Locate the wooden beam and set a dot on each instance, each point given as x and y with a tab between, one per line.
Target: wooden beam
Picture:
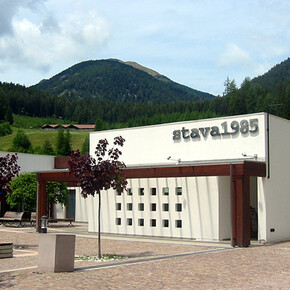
241	211
60	176
245	168
61	162
41	202
253	168
249	168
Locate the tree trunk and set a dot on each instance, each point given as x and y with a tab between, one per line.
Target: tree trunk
99	228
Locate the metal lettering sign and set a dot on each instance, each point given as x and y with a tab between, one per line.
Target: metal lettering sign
244	127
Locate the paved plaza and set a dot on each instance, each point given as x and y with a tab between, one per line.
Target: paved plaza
146	263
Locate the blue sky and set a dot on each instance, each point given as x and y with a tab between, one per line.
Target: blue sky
197	43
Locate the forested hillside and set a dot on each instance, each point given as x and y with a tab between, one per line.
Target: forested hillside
113	80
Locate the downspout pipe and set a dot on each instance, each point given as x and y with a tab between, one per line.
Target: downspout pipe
268	145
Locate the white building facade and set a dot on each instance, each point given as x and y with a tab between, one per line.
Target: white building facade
198	207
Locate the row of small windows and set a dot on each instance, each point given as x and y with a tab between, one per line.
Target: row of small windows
153	206
165	223
153	191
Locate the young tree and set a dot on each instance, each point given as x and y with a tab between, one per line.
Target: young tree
8	169
99	174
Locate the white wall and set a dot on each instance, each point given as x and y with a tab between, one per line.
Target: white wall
32	162
154	144
274	193
81	206
200	215
225	218
59	211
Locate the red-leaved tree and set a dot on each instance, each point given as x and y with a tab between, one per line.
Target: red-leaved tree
8	169
98	174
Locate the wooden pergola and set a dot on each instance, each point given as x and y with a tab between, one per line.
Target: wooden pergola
240	173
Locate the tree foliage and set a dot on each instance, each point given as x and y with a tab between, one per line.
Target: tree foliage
230	86
5	129
95	175
102	173
8	170
86	146
24	189
63	143
47	148
21	143
9	116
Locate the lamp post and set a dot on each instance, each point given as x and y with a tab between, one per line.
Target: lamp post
43	224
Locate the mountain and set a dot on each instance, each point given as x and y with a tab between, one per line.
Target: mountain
276	76
114	80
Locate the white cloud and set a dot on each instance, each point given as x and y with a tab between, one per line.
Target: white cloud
234	56
40	44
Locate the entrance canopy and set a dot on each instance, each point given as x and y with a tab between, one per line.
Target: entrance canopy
239	171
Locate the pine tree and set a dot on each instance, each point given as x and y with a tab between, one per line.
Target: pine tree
67	143
60	141
47	148
21	143
86	146
9	116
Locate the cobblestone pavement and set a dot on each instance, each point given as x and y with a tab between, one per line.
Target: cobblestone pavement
147	264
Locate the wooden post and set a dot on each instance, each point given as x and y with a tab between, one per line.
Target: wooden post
41	202
241	211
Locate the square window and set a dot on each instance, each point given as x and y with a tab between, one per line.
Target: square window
178	207
118	206
153	191
141	191
165	223
118	221
165	190
153	206
153	222
130	191
129	222
141	206
165	206
178	223
178	190
129	206
141	222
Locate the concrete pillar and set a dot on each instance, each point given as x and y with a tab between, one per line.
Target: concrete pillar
56	253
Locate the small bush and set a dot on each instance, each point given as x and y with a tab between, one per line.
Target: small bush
5	129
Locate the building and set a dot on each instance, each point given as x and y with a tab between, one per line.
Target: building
208	180
201	207
73	127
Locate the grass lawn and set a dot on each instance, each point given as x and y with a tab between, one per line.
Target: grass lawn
38	136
